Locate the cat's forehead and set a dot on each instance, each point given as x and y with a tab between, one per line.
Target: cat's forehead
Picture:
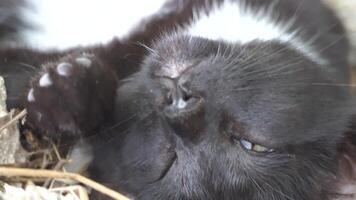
172	68
175	55
225	69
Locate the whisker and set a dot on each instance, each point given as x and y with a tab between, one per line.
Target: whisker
333	84
109	138
152	51
118	124
276	190
28	66
260	190
332	43
277	70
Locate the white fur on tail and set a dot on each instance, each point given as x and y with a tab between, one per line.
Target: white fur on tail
233	21
67	23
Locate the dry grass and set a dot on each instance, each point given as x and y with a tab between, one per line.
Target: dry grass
45	173
51	174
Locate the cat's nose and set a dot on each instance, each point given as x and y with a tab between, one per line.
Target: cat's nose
184	110
181	102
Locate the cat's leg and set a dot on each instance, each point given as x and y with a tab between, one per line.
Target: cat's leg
69	104
71	97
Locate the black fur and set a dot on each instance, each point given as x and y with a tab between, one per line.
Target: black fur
147	146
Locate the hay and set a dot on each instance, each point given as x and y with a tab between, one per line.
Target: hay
10	172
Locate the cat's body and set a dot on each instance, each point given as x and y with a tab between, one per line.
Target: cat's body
235	100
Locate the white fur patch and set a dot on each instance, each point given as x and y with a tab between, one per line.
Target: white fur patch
45	80
233	21
67	23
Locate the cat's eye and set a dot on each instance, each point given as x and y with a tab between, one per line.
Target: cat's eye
254	147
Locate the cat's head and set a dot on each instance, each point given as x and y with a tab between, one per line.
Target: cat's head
210	120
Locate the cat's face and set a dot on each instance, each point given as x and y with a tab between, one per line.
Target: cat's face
208	120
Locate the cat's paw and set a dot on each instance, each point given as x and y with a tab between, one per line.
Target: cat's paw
64	100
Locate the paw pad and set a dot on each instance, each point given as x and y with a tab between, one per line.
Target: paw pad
61	97
63	69
45	80
83	61
31	96
55	73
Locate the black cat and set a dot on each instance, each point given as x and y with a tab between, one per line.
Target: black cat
222	100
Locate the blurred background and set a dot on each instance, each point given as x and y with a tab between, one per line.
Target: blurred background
346	10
